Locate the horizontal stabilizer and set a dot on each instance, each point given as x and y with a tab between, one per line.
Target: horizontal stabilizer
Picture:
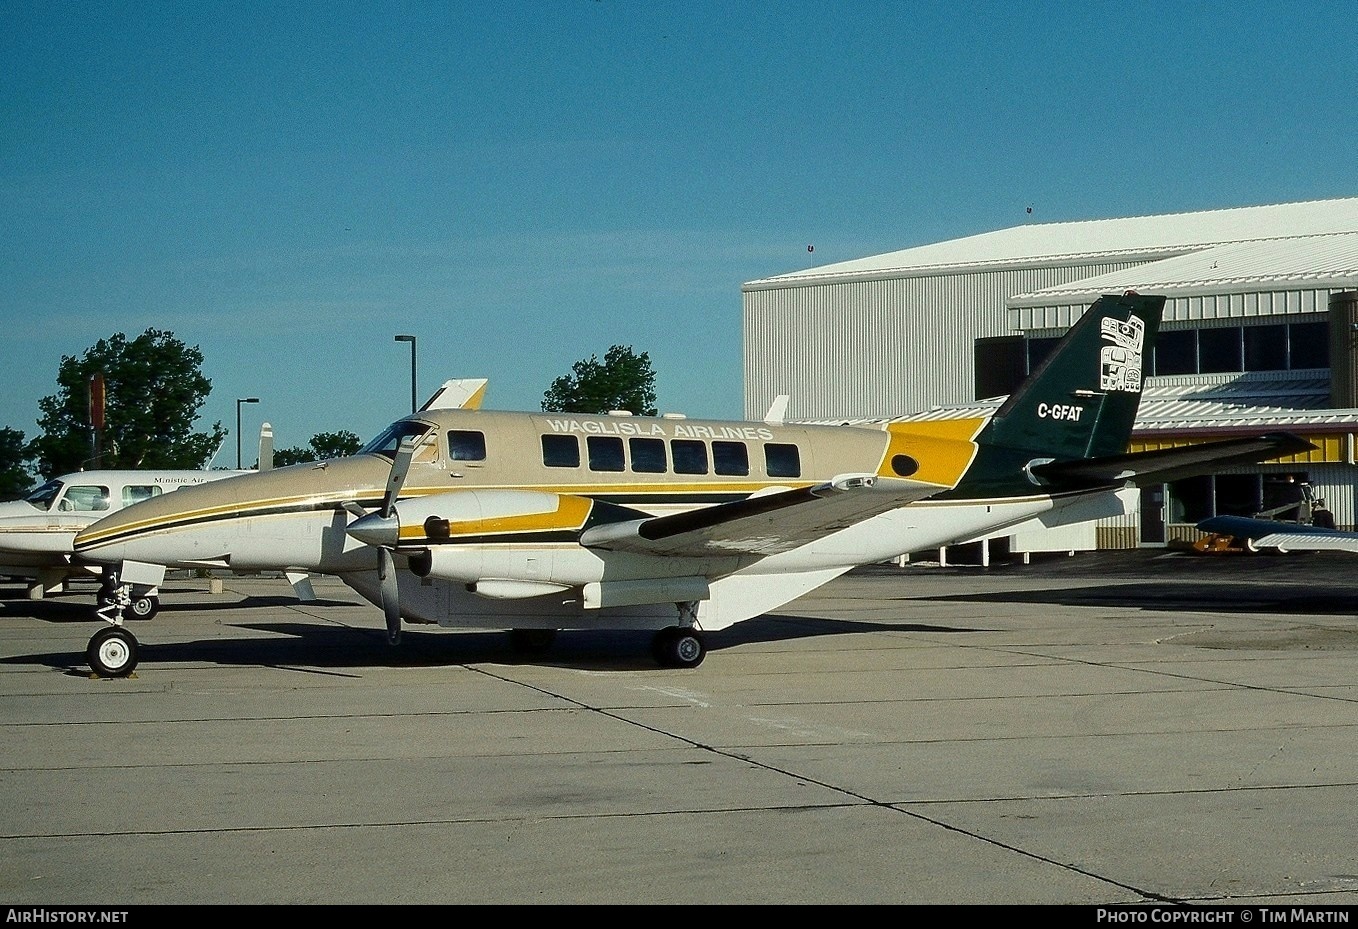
761	525
1269	533
1169	464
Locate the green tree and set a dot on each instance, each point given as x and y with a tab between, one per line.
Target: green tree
623	381
323	445
154	389
15	481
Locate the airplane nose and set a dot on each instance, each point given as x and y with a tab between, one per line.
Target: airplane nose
376	529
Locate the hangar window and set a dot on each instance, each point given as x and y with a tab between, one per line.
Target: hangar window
561	451
466	445
690	456
648	455
605	453
1266	347
998	365
782	460
730	458
1219	350
1228	349
1039	349
1176	352
1308	345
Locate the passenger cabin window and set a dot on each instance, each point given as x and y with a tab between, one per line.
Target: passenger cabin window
605	453
85	498
466	445
782	460
136	493
690	456
730	458
648	455
561	451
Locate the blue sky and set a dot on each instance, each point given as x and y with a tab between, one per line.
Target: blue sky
521	185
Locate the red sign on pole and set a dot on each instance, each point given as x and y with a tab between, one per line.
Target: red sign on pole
97	402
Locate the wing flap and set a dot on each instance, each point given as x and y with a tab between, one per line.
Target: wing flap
761	525
1169	464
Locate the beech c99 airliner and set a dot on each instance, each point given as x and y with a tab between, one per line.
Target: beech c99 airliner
539	522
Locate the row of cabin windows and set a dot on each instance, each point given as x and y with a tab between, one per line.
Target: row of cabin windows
646	456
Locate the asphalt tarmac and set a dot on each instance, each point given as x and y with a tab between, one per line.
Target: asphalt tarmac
1102	729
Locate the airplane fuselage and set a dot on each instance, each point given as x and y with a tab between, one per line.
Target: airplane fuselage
495	504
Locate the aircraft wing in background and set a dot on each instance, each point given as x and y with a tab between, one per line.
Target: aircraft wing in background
1285	537
1169	464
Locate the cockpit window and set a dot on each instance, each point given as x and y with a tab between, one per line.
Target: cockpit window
42	497
390	439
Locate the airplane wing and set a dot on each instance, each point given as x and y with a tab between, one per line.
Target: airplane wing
1269	533
764	524
1169	464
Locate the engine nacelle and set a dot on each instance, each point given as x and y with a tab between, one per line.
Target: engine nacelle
489	515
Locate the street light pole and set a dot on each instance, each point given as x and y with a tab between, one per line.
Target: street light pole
411	340
238	403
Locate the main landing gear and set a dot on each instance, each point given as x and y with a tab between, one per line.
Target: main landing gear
680	646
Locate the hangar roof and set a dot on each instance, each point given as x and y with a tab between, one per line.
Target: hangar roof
1293	401
1146	238
1314	262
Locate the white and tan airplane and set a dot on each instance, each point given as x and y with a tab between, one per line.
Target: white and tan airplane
539	522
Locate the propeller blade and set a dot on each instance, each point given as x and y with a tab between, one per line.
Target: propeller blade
391	604
400	466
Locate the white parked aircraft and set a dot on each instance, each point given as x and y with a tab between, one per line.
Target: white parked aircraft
37	532
538	522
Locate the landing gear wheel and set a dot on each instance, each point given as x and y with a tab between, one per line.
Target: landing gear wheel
144	607
112	652
531	641
677	647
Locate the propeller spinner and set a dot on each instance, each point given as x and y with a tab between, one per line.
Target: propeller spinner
382	530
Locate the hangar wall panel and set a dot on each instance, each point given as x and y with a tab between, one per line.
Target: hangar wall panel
877	348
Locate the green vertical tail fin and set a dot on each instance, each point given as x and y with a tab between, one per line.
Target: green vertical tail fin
1081	402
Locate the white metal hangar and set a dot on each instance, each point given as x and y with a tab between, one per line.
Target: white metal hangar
1260	333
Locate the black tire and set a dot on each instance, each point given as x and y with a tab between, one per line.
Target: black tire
112	652
144	607
531	641
677	647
